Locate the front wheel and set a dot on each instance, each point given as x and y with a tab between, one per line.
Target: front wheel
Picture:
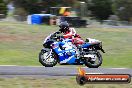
94	60
47	58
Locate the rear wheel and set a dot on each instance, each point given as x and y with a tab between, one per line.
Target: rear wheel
95	59
47	58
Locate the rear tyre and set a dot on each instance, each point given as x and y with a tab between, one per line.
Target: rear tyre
94	64
49	61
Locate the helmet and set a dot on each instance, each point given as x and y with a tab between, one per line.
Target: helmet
64	26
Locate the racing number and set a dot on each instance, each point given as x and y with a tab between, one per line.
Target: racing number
60	54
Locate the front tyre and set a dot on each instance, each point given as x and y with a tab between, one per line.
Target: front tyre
47	58
95	60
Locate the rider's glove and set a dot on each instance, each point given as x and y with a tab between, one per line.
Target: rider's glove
58	32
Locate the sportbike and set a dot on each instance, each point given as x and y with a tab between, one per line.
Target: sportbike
56	49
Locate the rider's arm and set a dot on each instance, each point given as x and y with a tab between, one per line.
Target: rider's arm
73	31
68	35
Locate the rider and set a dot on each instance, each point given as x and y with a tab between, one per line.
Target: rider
70	33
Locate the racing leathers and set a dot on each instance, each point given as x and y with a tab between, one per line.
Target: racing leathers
71	34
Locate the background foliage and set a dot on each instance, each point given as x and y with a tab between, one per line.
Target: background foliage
123	8
3	8
99	9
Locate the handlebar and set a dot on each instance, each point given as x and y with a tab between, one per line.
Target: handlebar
55	37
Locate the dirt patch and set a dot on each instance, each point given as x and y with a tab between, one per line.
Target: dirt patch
7	38
12	38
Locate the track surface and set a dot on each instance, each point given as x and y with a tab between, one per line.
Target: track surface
13	71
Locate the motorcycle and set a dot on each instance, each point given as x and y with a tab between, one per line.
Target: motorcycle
63	51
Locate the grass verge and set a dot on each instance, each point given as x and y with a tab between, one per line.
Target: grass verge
20	43
28	82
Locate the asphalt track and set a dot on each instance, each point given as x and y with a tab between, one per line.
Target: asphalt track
57	71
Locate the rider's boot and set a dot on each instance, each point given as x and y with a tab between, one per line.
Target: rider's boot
80	49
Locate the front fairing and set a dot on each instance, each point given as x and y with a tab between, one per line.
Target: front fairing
48	41
65	54
47	38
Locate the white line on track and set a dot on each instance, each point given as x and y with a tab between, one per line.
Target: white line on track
94	73
89	73
117	68
63	67
8	65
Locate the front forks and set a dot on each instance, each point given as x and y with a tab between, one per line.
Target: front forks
44	50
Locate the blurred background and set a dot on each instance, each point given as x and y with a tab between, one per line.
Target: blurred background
83	12
25	23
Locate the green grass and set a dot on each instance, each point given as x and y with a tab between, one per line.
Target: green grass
28	82
20	43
